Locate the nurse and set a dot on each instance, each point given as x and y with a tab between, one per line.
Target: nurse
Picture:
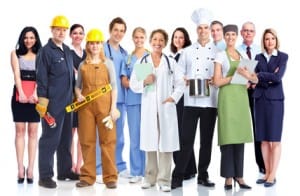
133	106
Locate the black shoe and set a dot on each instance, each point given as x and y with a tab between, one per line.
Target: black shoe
175	183
269	184
29	180
70	176
47	183
228	187
260	181
242	186
206	182
189	176
21	180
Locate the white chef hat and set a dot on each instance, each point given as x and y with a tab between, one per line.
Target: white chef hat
202	16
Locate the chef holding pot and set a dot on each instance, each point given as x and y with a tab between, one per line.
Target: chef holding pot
200	100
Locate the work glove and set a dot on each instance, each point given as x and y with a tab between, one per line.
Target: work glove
108	122
115	114
41	106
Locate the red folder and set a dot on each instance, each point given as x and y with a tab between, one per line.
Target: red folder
28	88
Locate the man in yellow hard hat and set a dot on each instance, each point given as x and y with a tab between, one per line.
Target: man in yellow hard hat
55	80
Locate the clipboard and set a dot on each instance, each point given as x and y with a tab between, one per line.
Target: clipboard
142	70
28	88
239	79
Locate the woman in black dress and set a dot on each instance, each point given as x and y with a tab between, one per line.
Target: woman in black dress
77	35
24	98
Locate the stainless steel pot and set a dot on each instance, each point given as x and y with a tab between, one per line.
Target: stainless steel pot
199	87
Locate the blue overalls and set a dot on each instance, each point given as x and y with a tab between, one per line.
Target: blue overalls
55	81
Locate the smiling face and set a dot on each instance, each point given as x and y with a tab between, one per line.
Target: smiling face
77	36
203	32
139	38
216	32
270	42
230	38
178	40
117	33
94	47
29	39
157	42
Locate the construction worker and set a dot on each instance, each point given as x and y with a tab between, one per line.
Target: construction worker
98	116
54	89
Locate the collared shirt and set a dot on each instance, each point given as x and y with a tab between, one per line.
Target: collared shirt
254	49
197	62
274	53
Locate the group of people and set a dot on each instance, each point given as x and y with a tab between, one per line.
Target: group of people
155	92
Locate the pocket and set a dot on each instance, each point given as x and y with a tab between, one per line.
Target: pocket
59	66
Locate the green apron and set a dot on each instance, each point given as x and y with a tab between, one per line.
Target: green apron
234	118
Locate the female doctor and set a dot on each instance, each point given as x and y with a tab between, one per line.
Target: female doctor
160	90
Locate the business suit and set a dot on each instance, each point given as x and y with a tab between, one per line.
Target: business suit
269	96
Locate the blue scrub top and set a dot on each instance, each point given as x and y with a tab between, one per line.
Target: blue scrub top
119	58
131	97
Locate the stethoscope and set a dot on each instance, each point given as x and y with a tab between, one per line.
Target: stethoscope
167	59
128	62
109	50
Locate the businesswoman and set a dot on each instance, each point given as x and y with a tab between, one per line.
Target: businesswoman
269	102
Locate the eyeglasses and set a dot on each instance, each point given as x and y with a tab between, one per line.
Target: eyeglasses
248	30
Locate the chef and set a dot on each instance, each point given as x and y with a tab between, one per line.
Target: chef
197	62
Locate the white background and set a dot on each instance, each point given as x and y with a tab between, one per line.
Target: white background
151	14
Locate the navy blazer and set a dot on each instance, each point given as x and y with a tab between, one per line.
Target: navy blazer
269	80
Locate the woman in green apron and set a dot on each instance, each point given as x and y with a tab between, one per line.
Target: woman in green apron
234	120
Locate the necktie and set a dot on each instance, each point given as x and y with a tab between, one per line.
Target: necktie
248	52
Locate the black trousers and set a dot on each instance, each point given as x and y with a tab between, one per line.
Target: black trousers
232	160
191	168
257	145
191	115
56	140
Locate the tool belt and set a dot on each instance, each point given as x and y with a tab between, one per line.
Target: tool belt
89	98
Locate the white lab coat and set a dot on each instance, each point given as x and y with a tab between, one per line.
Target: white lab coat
159	127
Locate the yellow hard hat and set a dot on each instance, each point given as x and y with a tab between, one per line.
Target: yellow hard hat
95	35
60	21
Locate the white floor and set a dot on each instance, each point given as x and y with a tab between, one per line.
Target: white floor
287	178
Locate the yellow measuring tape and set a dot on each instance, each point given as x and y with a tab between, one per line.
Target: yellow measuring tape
90	97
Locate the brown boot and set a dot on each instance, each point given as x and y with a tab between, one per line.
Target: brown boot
82	184
111	185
